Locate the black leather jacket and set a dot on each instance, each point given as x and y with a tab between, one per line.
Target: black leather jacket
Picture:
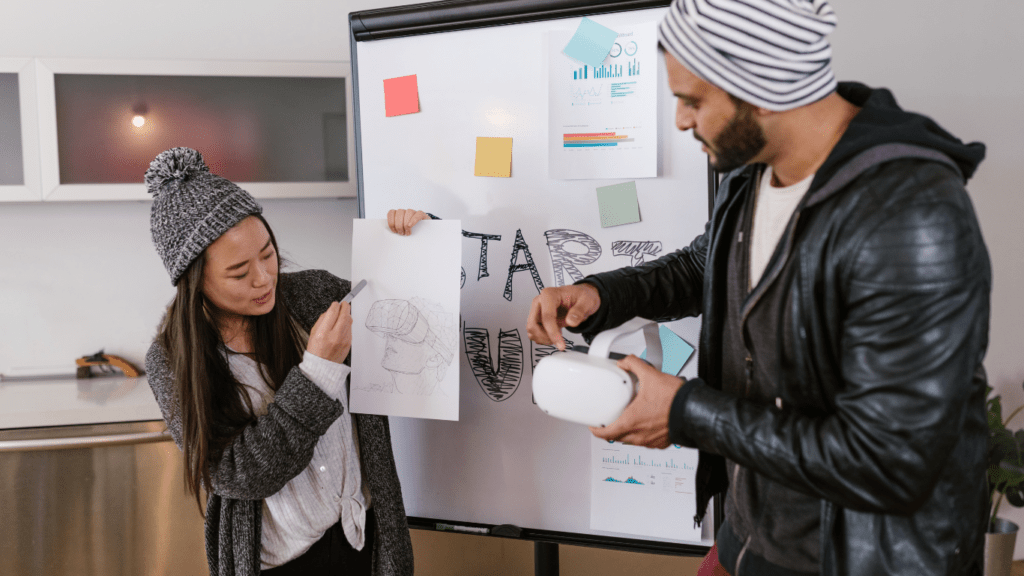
890	280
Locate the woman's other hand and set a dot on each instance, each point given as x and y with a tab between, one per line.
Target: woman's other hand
402	220
331	336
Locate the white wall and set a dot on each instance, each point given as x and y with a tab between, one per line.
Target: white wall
78	277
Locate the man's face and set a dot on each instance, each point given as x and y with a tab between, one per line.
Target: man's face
730	133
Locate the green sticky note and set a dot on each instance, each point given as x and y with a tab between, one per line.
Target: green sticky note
618	204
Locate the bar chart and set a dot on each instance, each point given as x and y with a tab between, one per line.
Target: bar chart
607	71
594	139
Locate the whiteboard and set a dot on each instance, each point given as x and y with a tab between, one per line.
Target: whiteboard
504	461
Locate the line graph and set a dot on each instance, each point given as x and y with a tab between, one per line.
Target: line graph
580	93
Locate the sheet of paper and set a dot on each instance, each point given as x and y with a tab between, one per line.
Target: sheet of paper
493	157
591	43
643	491
602	120
674	351
405	329
618	204
401	96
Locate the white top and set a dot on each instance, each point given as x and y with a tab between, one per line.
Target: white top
329	489
774	208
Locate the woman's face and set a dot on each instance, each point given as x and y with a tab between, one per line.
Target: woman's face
240	272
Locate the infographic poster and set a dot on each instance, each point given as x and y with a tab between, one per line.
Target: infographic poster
603	120
643	491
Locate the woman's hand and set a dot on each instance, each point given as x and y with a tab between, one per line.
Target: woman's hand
331	336
401	221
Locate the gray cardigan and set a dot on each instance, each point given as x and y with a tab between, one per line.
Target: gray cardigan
261	460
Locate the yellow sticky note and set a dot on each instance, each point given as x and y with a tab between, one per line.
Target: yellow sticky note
493	157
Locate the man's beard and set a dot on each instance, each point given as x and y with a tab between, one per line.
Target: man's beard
739	141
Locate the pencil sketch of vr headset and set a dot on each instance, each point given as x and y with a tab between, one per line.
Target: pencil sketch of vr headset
403	320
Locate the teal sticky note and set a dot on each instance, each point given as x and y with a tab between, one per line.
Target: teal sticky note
674	351
591	43
618	204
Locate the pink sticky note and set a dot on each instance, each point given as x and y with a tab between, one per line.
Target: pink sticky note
401	96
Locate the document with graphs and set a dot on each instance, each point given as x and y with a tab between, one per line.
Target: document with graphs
643	491
602	121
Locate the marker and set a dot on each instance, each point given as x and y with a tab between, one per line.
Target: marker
352	293
467	529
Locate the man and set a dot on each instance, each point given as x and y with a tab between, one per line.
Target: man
844	287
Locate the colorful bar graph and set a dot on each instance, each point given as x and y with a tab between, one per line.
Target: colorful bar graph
594	139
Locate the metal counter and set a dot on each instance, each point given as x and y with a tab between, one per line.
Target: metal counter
98	499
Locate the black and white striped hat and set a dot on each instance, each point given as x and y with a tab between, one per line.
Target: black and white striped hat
770	53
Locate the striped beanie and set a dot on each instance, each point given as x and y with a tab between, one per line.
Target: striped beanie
770	53
191	207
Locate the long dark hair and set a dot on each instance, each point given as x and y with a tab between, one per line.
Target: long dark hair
213	405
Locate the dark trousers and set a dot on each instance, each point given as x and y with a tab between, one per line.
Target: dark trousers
333	555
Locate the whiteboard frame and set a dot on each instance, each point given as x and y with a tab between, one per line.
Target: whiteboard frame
452	15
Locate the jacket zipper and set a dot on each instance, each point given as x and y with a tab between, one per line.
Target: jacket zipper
739	558
748	371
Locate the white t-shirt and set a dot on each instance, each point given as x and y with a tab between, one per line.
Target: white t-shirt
329	489
774	208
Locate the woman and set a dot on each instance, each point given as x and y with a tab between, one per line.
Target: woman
247	368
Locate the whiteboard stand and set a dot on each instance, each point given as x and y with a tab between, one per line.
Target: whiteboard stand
545	559
478	66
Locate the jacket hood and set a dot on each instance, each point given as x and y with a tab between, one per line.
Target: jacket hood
882	121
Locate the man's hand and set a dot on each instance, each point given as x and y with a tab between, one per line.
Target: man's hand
401	221
645	421
556	308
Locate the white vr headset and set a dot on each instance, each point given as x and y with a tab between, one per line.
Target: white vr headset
588	388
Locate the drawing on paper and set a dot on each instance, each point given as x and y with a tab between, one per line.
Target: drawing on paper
420	345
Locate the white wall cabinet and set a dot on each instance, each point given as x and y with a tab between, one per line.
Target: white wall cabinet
19	132
91	127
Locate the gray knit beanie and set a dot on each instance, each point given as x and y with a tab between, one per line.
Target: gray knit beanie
191	207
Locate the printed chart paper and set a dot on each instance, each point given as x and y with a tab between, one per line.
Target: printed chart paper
602	120
643	491
405	322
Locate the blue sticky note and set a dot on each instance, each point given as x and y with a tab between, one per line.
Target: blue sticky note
674	351
591	43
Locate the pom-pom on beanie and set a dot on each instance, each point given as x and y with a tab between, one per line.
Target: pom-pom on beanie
191	207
